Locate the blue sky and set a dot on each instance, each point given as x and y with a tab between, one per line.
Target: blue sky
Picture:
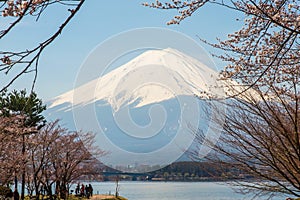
96	22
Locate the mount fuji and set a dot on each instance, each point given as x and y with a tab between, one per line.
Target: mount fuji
140	106
190	74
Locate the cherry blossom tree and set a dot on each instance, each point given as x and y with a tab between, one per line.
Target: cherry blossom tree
261	77
39	150
28	108
59	157
260	138
9	155
15	63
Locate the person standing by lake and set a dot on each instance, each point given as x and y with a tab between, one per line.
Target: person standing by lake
82	190
87	192
90	190
77	190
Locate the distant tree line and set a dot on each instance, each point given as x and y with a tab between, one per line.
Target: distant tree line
197	171
184	171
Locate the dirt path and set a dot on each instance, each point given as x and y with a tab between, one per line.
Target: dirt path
101	196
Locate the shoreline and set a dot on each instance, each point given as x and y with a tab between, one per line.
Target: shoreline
106	197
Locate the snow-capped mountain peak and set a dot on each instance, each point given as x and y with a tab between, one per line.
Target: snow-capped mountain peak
153	76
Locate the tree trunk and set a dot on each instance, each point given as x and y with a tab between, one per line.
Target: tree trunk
23	169
16	181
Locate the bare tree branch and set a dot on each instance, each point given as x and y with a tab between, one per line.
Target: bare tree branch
27	59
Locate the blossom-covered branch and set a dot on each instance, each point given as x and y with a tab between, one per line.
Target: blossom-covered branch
265	50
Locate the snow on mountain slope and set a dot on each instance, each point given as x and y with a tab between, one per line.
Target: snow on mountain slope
153	76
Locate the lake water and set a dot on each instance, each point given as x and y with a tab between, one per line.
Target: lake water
172	191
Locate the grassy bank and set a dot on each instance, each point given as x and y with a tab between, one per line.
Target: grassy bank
98	197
